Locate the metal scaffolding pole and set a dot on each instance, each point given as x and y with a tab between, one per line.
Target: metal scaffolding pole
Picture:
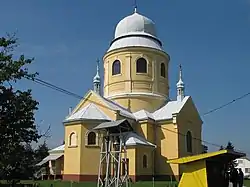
112	155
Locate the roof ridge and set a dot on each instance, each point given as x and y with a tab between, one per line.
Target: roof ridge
103	98
115	103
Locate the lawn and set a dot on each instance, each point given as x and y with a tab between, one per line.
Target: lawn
93	184
247	183
58	183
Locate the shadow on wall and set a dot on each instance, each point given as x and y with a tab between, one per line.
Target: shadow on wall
163	171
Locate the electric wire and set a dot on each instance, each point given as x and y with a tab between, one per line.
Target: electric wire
226	104
54	87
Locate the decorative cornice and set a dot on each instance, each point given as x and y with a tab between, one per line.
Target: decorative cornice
136	94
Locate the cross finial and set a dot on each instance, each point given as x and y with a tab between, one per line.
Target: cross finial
98	62
97	79
180	71
180	86
135	8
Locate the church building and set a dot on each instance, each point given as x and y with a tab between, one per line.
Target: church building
136	88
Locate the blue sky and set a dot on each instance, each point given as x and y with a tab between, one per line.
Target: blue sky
209	38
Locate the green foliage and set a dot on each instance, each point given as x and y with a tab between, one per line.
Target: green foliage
41	152
17	122
230	146
204	149
221	148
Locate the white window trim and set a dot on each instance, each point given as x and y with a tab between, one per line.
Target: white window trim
69	139
96	139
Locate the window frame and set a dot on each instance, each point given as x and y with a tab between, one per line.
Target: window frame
87	139
136	62
112	68
144	161
164	65
70	139
247	170
240	161
189	141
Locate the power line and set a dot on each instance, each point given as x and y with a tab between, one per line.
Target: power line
226	104
47	84
52	86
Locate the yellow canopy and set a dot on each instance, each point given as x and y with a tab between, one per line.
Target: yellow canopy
218	154
200	173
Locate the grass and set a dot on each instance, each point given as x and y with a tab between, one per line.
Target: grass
247	183
59	183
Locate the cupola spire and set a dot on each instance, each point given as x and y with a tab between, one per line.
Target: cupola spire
97	80
135	7
180	86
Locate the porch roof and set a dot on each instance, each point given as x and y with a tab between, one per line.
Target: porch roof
50	157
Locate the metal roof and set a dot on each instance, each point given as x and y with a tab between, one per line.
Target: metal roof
120	125
57	149
133	139
50	157
91	111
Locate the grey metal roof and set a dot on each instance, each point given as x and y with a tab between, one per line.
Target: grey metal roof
122	124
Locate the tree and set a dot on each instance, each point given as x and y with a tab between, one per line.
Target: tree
230	146
231	165
221	148
28	162
17	122
41	152
204	149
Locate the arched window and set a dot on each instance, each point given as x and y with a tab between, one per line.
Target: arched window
163	70
189	142
91	138
144	161
72	139
116	67
141	65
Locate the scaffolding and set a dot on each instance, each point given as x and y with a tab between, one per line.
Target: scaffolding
113	154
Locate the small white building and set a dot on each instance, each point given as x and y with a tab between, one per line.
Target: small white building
244	164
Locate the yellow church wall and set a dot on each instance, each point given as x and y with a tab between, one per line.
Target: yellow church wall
167	148
72	155
80	155
90	154
131	155
149	169
131	82
147	130
135	166
189	120
139	102
82	160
